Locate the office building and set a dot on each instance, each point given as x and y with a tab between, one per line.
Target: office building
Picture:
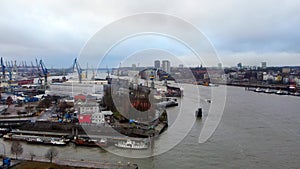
157	64
166	66
263	65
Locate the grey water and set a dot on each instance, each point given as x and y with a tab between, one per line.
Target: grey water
257	130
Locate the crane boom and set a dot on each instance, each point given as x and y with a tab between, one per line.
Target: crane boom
45	71
3	68
79	70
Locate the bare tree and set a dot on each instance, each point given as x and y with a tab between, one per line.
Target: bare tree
16	148
51	153
9	101
32	155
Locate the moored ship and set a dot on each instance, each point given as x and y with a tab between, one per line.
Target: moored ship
129	144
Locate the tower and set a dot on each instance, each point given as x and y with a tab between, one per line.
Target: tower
166	66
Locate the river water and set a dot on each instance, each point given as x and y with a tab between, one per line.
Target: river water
257	130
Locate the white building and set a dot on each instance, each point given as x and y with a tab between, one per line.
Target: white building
99	117
89	107
166	66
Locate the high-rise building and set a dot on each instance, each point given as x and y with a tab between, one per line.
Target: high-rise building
263	65
239	65
166	66
156	64
180	66
133	66
220	65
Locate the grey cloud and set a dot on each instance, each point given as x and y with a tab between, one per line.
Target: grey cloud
56	29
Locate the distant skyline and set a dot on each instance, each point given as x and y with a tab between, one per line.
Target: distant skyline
249	32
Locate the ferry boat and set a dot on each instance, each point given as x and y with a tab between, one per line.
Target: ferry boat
129	144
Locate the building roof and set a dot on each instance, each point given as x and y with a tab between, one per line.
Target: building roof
80	97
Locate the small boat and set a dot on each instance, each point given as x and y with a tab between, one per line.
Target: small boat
208	100
282	92
102	142
259	90
129	144
213	85
269	91
4	130
198	113
168	103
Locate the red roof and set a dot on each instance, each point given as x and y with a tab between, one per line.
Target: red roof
84	118
80	97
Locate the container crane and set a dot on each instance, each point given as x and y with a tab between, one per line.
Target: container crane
8	68
4	73
79	70
2	68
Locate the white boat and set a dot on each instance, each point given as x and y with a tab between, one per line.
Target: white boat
280	92
57	141
132	144
258	90
269	91
296	94
213	85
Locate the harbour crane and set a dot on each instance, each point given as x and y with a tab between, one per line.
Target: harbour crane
11	63
2	68
79	70
4	73
45	71
32	69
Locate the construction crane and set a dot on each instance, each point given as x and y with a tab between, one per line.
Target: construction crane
45	71
79	70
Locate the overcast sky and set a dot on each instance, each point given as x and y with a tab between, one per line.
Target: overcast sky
240	31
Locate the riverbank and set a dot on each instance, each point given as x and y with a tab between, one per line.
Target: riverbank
70	165
260	85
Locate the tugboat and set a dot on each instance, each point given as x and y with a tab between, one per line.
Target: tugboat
199	113
85	141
